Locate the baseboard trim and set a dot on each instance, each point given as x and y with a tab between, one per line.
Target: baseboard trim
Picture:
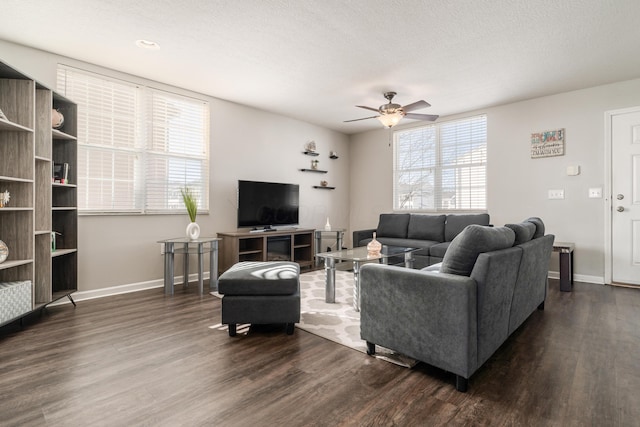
124	289
579	278
158	283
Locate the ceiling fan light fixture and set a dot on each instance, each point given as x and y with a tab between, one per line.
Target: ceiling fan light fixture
391	119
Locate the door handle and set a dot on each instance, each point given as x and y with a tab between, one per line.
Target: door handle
620	196
620	209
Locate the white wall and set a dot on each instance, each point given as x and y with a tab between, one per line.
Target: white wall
246	143
517	184
251	144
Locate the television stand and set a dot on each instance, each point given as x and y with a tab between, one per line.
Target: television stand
275	245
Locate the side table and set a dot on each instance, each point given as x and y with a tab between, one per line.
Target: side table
337	232
186	247
566	264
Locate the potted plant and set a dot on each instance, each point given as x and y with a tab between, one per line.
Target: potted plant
191	203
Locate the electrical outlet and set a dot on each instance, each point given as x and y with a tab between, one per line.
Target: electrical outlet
595	193
556	194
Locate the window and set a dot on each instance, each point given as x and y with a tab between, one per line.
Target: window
441	167
137	146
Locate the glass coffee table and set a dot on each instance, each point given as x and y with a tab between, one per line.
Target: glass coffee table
358	256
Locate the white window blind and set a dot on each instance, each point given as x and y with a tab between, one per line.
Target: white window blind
137	146
441	167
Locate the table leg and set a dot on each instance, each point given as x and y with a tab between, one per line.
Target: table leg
356	285
330	273
340	237
200	268
566	271
317	241
168	268
408	259
213	266
185	274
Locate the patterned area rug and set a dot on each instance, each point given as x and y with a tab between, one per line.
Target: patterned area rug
337	322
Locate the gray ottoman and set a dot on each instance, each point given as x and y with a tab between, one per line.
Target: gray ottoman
261	293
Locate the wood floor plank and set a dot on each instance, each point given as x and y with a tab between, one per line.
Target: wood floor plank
148	359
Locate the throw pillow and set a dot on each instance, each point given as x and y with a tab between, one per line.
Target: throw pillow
539	226
426	227
471	242
393	225
524	231
456	223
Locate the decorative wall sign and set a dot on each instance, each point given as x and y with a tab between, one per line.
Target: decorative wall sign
548	143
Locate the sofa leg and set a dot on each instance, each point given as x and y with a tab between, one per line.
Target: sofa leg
541	306
371	348
290	327
232	329
461	384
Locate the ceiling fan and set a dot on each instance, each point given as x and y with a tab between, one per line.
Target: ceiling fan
390	114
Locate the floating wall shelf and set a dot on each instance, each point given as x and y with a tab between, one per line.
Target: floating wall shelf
313	170
324	188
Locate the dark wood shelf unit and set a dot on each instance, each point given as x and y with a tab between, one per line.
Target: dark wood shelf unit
238	246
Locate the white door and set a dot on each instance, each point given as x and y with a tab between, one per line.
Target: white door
625	191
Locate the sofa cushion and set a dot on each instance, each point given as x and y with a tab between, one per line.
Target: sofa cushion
426	227
539	226
439	250
471	242
524	231
393	225
456	223
423	245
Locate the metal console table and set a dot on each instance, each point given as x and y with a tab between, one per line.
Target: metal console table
187	246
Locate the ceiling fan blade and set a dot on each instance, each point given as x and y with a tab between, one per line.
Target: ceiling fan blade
416	106
364	118
426	117
368	108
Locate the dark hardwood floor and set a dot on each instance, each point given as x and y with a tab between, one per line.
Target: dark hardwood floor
146	359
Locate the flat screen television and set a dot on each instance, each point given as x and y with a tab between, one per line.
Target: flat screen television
267	204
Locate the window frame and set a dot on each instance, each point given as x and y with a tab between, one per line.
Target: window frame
437	166
144	151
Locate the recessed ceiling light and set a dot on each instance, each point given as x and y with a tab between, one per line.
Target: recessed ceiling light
146	44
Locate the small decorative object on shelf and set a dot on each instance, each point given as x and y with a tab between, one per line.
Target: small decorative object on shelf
4	251
53	240
57	119
314	164
374	247
323	183
333	154
4	198
310	147
190	202
327	226
61	173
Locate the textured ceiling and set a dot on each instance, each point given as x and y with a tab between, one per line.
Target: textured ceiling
315	60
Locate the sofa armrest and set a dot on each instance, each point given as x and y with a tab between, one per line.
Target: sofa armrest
360	235
429	316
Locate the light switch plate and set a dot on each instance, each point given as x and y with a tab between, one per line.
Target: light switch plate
595	193
556	194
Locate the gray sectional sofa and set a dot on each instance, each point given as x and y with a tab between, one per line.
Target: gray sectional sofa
456	315
431	233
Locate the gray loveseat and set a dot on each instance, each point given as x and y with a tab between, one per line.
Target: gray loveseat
489	283
431	233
